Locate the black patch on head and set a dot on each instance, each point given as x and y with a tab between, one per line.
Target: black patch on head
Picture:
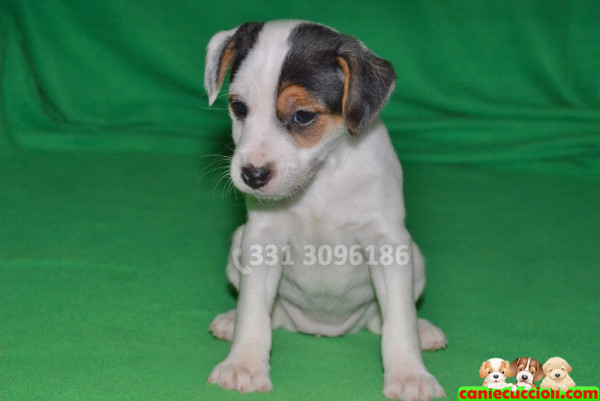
243	40
313	63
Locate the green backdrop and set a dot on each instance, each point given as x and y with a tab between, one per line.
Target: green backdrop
114	222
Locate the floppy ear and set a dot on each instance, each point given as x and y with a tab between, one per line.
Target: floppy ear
368	83
227	48
512	369
219	54
482	372
545	367
539	373
569	368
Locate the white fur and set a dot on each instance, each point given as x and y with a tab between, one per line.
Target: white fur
344	191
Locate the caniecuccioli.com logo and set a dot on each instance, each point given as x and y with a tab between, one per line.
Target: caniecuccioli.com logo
554	377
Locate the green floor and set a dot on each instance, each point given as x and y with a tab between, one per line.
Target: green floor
113	267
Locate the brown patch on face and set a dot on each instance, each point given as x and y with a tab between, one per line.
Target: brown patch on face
294	98
504	365
225	61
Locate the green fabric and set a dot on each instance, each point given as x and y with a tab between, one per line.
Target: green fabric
115	224
493	81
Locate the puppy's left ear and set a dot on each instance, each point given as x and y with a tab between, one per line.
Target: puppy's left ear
368	83
224	49
512	369
539	373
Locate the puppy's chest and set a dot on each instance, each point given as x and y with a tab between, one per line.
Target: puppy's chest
324	269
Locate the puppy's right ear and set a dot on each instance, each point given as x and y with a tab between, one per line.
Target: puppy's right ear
224	49
219	54
482	372
512	369
569	368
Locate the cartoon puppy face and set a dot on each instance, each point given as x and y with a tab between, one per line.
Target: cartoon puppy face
557	369
526	370
494	370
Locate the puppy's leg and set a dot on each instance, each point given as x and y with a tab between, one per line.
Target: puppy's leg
222	325
431	337
405	374
246	367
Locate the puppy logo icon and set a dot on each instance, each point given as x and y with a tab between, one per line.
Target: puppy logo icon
494	371
556	372
527	370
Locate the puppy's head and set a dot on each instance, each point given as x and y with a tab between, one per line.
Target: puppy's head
557	368
494	370
295	87
526	370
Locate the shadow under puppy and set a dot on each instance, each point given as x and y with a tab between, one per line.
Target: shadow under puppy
319	170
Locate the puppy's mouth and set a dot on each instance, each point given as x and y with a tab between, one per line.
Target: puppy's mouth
265	196
276	185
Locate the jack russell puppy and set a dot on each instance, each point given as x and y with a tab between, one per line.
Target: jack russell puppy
324	250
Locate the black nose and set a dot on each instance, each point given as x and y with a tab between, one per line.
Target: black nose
255	177
496	376
524	377
557	374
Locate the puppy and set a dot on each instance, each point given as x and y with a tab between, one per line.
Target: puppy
557	372
320	175
494	371
526	370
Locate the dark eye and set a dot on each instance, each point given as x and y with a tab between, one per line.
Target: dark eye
239	109
304	117
489	372
502	372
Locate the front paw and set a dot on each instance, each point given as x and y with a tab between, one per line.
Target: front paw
241	375
422	387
